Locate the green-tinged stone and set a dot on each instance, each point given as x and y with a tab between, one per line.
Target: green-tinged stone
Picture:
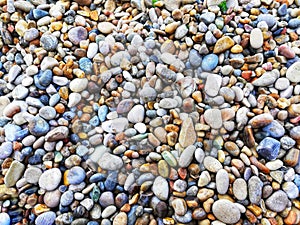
170	159
163	168
139	137
58	157
223	6
14	173
218	143
95	193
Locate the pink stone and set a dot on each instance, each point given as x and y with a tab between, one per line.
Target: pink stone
286	51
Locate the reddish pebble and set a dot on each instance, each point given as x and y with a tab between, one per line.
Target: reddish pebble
286	51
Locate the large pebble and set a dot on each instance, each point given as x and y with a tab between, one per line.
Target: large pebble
136	114
57	133
293	72
187	135
76	175
256	38
212	164
77	34
50	179
255	186
239	189
46	218
213	84
161	188
269	148
187	156
110	162
226	211
222	181
4	219
278	201
14	173
213	118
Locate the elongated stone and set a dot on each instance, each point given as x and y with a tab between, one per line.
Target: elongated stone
187	135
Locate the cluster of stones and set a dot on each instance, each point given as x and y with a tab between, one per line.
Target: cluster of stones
149	112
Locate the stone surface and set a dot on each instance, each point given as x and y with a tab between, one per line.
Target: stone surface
50	179
161	188
110	162
187	135
14	173
277	201
226	211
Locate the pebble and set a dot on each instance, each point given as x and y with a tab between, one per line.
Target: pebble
226	211
213	84
52	198
57	133
186	156
223	44
181	31
32	175
49	42
222	181
239	188
274	129
14	173
161	188
77	34
290	189
187	135
46	218
136	114
293	72
5	219
278	201
269	148
76	175
212	164
110	162
106	27
6	150
213	118
256	38
50	179
209	62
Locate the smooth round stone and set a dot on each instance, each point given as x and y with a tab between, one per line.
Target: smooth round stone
31	34
136	114
38	126
226	211
78	84
213	118
108	211
32	175
278	201
256	38
52	198
106	199
293	72
181	31
50	179
10	132
222	181
161	188
39	13
4	219
20	92
47	112
269	148
208	17
106	27
66	198
282	83
6	149
77	34
295	133
282	10
86	65
110	162
76	175
46	218
168	103
195	58
74	99
209	62
212	84
286	52
290	189
49	42
274	129
45	78
180	185
120	219
82	150
140	127
179	206
212	164
148	94
240	189
287	142
261	120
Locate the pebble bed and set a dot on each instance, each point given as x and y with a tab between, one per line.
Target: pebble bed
149	112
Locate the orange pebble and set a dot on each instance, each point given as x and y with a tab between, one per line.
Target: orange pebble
60	108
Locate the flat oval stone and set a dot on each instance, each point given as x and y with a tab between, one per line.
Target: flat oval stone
76	175
161	188
255	186
4	219
57	133
187	156
222	181
293	72
226	211
52	198
50	179
212	164
108	211
77	34
38	126
46	218
32	174
14	173
240	189
261	120
256	38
